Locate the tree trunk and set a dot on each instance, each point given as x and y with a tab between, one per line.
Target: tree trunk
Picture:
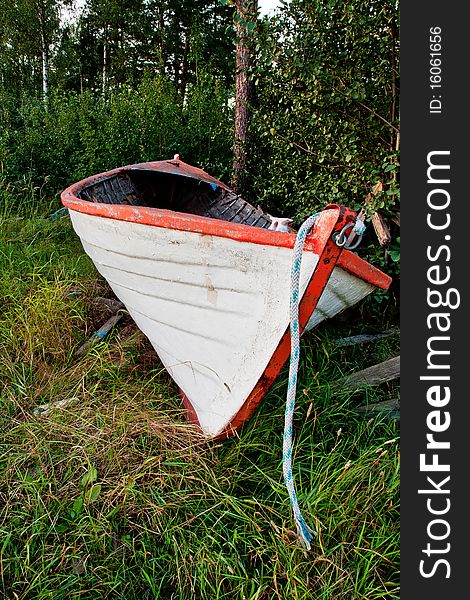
44	56
244	92
184	69
105	62
45	74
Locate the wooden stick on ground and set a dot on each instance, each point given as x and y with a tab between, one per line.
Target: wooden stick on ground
110	304
365	337
374	375
101	333
387	405
45	409
389	408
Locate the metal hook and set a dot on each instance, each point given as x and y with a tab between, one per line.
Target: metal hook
341	237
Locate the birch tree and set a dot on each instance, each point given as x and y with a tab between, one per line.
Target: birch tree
29	29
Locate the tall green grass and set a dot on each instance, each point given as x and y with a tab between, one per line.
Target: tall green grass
112	494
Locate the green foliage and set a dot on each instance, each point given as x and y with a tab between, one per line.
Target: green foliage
78	135
327	118
325	126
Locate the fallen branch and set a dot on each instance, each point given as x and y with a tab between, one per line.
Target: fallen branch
101	333
109	303
361	339
375	375
45	409
391	408
393	404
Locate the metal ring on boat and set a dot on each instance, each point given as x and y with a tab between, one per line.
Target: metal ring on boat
341	238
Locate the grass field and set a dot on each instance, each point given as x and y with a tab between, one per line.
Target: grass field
114	495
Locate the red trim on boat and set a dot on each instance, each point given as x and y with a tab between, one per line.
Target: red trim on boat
204	225
172	167
354	264
168	219
191	414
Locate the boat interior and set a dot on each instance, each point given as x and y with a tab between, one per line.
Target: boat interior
174	192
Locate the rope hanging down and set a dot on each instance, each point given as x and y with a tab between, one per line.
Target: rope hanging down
304	532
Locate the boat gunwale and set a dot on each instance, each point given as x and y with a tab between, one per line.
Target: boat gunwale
164	218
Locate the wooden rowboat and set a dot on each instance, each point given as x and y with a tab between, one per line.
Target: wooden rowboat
207	280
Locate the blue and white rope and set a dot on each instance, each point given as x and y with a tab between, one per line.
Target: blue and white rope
303	530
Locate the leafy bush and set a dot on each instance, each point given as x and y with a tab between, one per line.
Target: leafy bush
78	135
327	122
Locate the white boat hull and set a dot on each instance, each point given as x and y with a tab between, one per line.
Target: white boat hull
206	278
214	308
